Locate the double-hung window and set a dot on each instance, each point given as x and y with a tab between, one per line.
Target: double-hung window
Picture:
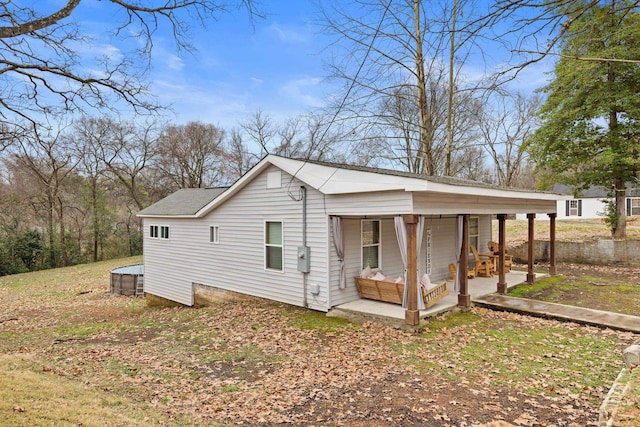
634	206
159	231
574	207
474	232
273	248
214	234
370	236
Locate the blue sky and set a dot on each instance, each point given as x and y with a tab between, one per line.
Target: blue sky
274	65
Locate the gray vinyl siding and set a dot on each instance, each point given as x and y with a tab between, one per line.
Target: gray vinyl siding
380	203
443	246
237	262
165	261
440	203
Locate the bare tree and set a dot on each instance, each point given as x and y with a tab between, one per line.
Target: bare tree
506	123
261	130
127	151
41	64
393	53
192	155
46	161
88	136
239	158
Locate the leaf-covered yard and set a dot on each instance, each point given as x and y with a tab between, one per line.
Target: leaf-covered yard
258	362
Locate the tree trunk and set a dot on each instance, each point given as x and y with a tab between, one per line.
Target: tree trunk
620	230
96	222
452	51
425	135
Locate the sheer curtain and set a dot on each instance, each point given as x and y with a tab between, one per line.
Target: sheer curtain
456	284
338	244
401	234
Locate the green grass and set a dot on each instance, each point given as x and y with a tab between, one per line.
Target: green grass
31	395
583	291
317	321
547	359
541	284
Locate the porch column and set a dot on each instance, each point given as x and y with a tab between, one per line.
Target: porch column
502	241
411	314
552	243
530	256
464	299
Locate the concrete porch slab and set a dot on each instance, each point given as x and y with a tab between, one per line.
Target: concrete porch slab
392	313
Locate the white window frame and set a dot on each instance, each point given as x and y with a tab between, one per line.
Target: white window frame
574	207
379	244
214	234
160	232
474	239
634	206
269	245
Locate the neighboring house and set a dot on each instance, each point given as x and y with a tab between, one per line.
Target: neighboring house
288	228
591	203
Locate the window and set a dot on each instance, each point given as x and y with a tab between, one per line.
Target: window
371	243
159	231
474	232
574	208
214	234
273	245
428	250
634	206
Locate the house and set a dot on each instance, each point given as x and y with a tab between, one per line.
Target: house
591	203
299	231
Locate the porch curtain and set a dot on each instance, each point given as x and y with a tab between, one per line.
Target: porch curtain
338	244
456	283
401	234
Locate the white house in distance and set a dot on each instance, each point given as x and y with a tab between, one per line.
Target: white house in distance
299	231
591	203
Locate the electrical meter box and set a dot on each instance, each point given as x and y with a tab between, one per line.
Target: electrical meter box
304	265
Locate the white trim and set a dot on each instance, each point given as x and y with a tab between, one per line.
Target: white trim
632	208
160	232
379	244
477	218
214	234
574	210
265	244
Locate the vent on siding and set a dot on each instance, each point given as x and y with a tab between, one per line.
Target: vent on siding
274	179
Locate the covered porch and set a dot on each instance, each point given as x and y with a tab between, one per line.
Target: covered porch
367	309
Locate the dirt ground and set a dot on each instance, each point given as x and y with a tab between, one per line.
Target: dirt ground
254	362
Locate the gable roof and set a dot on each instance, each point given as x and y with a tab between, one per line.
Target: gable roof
186	201
595	192
336	179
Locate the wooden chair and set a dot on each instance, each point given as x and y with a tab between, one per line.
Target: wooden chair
483	266
494	248
471	273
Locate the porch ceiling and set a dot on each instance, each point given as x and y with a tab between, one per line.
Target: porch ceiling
425	203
